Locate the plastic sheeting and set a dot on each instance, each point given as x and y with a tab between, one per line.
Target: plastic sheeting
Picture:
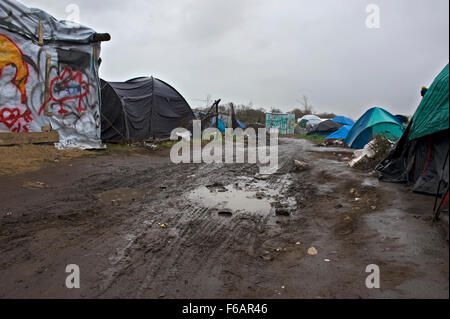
22	20
313	120
73	99
344	120
141	109
367	151
325	128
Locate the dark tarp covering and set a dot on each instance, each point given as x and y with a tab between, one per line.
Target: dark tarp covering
141	109
419	162
325	128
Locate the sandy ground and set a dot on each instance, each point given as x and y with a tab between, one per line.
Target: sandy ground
140	226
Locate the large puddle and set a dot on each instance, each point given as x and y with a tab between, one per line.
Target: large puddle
232	199
242	196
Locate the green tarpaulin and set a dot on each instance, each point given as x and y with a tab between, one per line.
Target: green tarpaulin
432	114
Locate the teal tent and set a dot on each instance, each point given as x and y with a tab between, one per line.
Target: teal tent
376	121
420	158
432	114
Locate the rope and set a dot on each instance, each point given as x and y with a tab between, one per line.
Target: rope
115	129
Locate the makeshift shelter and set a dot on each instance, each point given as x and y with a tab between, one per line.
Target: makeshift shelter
222	122
311	119
141	109
344	120
341	133
376	121
325	128
49	76
420	158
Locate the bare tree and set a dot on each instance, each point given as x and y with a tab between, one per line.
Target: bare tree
307	107
297	112
208	100
275	110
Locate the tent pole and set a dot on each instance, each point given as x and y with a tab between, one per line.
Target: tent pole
217	115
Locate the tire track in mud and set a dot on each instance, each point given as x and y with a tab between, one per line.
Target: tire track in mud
126	253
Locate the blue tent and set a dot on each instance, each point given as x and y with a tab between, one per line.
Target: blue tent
376	121
342	132
344	120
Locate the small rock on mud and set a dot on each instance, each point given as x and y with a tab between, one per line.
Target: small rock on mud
225	212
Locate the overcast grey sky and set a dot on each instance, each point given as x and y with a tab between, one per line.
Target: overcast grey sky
272	52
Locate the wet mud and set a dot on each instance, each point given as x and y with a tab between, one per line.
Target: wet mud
140	226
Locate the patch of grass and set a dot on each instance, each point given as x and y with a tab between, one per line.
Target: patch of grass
313	138
166	144
112	148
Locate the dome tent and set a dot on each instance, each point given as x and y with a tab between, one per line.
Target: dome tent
325	128
311	119
341	133
140	109
344	120
376	121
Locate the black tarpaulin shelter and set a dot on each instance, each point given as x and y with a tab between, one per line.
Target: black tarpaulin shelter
141	109
325	128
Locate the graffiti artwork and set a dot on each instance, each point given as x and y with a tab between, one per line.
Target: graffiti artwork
69	86
15	120
49	77
283	123
66	83
10	54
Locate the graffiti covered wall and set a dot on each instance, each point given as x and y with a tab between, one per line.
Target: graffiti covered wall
283	123
50	85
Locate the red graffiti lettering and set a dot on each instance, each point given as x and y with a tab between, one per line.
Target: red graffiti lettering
11	117
68	86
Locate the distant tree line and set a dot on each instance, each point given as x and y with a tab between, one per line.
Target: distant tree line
249	114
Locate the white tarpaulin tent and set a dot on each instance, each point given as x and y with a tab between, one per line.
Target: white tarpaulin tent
311	119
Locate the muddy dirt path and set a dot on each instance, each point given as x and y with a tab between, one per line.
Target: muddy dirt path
139	226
